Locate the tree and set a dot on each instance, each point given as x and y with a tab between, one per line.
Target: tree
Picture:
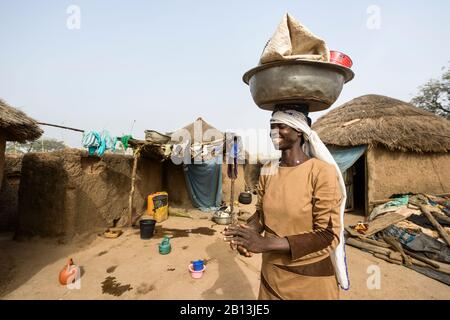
41	145
434	95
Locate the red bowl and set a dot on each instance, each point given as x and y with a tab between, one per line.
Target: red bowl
341	59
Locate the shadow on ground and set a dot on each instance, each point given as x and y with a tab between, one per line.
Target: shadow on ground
230	276
21	260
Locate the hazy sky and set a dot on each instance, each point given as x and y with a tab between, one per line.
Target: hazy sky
165	63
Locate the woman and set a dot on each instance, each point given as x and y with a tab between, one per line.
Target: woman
299	210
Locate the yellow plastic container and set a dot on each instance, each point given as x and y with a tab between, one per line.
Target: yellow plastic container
158	206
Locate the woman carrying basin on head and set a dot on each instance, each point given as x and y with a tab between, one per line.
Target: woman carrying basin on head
300	212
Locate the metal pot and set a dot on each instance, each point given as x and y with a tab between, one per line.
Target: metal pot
221	217
315	83
245	198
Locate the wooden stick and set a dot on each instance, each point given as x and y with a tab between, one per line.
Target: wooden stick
398	247
440	216
386	254
375	202
233	215
133	181
423	259
386	258
397	259
369	247
57	126
442	195
351	122
413	261
374	242
356	234
436	224
419	263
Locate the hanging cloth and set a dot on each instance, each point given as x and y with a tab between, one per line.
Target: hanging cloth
98	143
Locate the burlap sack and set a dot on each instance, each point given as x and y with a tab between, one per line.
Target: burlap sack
293	41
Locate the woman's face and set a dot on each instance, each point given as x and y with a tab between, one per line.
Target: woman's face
283	136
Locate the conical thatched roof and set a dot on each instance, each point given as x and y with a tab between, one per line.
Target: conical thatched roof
17	125
378	120
204	131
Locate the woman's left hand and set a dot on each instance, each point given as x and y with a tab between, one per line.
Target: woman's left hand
248	238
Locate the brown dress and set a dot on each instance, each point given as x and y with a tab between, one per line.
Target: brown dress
300	203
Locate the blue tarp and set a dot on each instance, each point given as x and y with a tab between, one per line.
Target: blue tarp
204	183
346	157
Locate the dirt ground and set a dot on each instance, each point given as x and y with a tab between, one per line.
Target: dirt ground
131	268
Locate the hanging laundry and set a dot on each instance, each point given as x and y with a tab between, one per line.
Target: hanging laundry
125	140
98	143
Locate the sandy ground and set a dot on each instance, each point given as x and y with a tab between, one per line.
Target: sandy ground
131	268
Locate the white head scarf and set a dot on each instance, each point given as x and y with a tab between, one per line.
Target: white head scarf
314	147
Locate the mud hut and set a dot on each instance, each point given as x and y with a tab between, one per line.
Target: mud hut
204	142
386	146
14	126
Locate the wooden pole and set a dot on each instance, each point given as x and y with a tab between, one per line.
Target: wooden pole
440	216
366	246
58	126
233	215
374	242
397	246
377	202
413	261
394	257
423	259
386	258
398	261
133	182
436	224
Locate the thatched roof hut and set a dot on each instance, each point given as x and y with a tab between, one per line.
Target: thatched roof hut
204	142
16	125
375	120
406	148
201	132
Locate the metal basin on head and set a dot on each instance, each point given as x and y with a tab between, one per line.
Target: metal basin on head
315	83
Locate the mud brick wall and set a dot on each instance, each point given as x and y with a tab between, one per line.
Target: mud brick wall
9	193
67	192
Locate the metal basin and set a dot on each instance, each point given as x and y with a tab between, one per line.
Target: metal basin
221	217
315	83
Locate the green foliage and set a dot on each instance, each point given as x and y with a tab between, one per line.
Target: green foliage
434	95
41	145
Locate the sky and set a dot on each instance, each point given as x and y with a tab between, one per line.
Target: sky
137	65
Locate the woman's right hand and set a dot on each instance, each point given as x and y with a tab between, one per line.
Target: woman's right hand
240	249
252	223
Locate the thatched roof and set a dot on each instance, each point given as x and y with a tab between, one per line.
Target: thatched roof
201	131
378	120
17	125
